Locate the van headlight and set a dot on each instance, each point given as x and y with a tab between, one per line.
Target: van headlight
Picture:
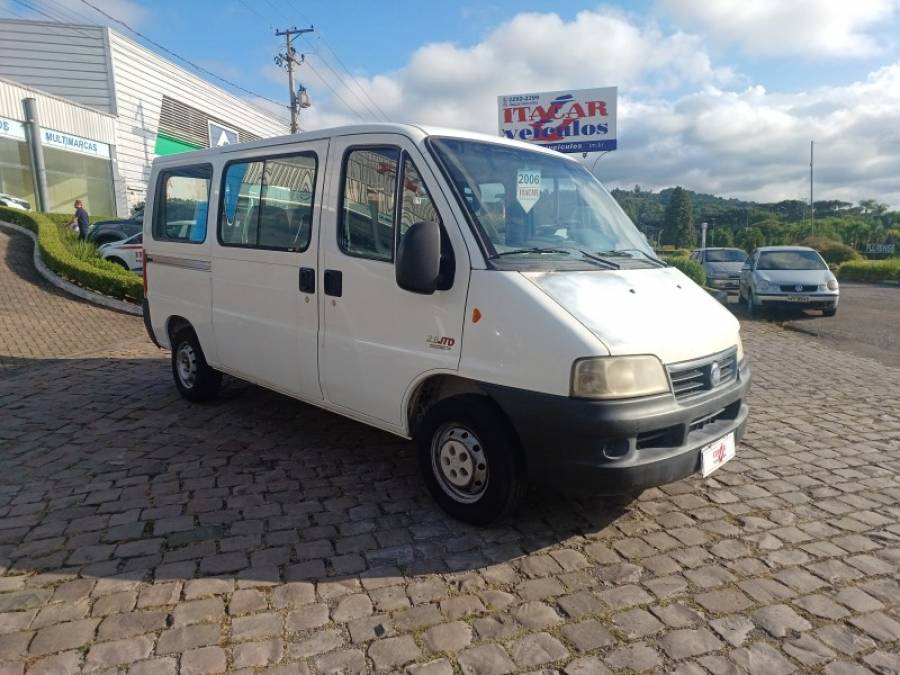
608	377
832	284
740	350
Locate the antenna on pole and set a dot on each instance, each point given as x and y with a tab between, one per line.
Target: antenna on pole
298	98
812	204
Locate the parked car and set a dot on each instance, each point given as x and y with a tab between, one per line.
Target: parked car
14	202
795	277
129	253
106	231
540	340
722	267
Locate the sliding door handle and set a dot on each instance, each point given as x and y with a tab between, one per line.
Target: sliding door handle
307	280
334	283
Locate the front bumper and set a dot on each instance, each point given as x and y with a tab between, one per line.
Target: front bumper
725	284
799	300
583	447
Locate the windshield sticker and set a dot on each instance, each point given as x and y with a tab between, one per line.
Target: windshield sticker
528	188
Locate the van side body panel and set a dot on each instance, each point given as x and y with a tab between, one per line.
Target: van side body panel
179	281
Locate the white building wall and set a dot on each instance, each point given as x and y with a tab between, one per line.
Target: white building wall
65	60
57	113
141	77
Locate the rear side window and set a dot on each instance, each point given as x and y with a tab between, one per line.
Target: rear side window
182	204
267	203
368	203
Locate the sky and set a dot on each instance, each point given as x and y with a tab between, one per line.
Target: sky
719	96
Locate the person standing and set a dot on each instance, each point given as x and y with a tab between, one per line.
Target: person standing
81	220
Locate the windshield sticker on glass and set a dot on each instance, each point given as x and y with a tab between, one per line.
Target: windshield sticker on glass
528	188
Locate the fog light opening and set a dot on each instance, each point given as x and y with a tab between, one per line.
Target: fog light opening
616	449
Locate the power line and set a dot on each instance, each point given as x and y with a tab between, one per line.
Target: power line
251	8
193	65
349	89
55	18
321	38
333	90
320	35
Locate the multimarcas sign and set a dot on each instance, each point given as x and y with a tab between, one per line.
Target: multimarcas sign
568	121
57	139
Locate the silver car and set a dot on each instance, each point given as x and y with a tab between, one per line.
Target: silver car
722	267
788	276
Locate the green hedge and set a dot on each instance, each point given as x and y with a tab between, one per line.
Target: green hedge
833	251
690	267
870	270
74	259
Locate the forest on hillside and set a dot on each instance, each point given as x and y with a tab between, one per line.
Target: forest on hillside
672	217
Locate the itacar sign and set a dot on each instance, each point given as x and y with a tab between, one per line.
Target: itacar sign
569	121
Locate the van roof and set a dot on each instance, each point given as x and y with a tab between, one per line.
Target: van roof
415	131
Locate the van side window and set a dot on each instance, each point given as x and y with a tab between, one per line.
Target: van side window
416	205
182	203
268	203
367	217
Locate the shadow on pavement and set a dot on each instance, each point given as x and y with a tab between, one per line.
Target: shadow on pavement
109	474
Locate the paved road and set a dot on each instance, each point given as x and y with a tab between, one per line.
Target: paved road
37	321
867	322
140	531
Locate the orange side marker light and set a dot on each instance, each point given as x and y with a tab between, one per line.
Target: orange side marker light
476	315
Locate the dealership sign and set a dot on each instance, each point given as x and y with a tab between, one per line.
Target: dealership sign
582	120
72	143
220	135
12	129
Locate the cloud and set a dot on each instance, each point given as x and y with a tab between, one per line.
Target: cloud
683	120
832	28
755	144
128	11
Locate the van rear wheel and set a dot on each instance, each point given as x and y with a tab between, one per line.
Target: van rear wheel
470	460
195	380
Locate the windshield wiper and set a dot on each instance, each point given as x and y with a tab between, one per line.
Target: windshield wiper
629	251
534	249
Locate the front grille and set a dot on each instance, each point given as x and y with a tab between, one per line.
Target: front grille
799	288
692	378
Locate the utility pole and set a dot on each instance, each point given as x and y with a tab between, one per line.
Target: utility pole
812	204
288	60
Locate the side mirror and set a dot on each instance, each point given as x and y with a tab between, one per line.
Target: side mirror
418	263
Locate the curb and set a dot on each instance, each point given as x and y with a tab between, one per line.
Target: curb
68	286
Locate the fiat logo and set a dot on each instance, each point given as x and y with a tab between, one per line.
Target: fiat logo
715	375
798	288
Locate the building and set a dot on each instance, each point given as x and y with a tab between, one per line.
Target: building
102	108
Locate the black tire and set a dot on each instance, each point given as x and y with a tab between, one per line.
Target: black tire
471	431
121	263
829	311
195	380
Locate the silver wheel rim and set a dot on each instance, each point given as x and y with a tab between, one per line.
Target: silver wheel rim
186	365
459	463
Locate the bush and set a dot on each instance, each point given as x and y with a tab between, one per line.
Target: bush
833	251
691	268
673	252
870	270
74	259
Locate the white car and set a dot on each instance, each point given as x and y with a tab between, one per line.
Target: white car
485	297
129	253
14	202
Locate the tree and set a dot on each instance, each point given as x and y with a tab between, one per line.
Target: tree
721	236
751	238
679	220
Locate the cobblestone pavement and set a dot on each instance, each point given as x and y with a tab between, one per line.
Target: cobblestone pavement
258	534
37	321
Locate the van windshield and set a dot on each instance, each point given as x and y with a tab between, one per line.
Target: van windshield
531	205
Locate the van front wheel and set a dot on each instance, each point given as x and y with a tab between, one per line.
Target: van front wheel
195	380
470	460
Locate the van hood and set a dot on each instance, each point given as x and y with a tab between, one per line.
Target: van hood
643	311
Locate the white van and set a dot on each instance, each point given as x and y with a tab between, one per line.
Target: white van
485	297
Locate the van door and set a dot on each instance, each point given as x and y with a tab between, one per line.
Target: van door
377	339
265	314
